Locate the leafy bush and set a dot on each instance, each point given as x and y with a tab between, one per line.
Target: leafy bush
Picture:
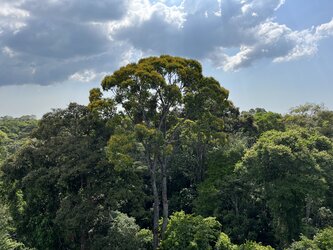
224	243
323	240
251	245
188	231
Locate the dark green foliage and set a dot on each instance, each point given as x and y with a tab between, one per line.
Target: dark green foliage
225	195
186	231
13	134
268	121
7	242
219	174
122	234
289	169
166	140
61	185
170	110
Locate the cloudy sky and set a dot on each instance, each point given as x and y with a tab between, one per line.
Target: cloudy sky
274	54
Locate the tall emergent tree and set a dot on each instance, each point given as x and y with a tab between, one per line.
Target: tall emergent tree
155	99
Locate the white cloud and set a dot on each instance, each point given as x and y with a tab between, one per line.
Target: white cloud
50	42
12	18
251	27
325	29
60	39
306	41
11	11
130	56
84	76
8	52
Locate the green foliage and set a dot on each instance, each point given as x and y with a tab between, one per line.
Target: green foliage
145	238
122	148
323	240
14	132
268	121
288	168
187	231
17	128
123	234
251	245
224	243
170	104
303	244
104	107
168	139
221	164
311	116
7	242
225	195
4	141
61	186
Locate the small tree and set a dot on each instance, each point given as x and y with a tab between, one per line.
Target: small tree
251	245
187	231
224	243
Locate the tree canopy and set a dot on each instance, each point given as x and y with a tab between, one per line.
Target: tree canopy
160	158
160	97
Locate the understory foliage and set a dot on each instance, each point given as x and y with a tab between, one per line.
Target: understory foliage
166	161
186	231
321	241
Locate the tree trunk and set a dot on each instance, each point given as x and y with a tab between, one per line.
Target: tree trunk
235	202
307	213
163	162
155	207
308	209
82	241
164	199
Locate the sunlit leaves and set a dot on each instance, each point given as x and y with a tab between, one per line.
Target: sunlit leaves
187	231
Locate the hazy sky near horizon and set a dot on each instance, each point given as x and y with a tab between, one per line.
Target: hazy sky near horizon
273	54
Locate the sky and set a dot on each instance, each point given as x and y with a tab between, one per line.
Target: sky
273	54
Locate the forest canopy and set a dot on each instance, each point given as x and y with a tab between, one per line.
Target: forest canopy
160	158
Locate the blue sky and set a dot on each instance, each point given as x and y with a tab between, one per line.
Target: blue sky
273	54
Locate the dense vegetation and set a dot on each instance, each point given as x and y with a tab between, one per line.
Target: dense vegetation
166	162
14	134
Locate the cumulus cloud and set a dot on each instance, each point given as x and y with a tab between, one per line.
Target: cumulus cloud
78	39
209	28
77	10
84	76
50	42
